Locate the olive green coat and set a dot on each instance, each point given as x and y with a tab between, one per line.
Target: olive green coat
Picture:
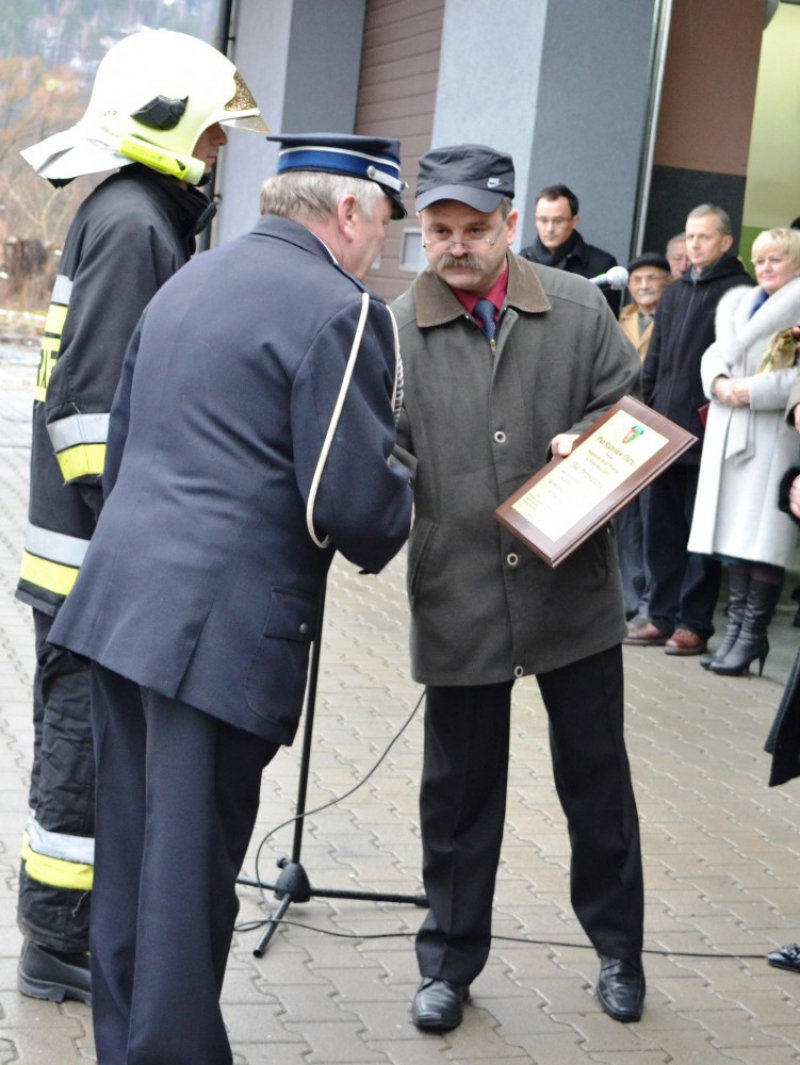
484	607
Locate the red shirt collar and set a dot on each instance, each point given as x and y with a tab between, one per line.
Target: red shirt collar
497	294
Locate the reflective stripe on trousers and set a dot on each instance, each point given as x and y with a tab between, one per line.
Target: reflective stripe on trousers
57	859
51	560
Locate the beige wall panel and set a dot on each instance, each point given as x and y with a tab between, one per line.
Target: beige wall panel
710	85
397	97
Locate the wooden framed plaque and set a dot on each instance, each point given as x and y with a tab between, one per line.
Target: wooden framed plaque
612	461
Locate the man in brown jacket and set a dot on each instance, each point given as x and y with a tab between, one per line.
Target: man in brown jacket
504	359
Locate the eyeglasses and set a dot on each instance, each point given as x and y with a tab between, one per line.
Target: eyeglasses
446	243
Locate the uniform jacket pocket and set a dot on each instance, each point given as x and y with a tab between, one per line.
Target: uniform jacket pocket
276	677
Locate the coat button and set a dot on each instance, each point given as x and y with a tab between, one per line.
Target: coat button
499	437
519	672
512	559
304	629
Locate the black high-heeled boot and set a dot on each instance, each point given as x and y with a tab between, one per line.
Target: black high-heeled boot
752	642
738	586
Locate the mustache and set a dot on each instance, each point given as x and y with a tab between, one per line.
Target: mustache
463	262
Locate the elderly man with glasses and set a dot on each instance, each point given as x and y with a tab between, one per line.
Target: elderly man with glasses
504	360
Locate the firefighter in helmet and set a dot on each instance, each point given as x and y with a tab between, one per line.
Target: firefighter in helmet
156	115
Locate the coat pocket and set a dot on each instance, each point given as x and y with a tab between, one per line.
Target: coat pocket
276	677
418	554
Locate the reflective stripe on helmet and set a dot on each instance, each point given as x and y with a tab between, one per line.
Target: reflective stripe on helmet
185	167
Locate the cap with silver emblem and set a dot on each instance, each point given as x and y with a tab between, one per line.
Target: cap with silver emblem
371	158
473	174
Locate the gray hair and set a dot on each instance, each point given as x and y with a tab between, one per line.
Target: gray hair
311	195
723	218
674	240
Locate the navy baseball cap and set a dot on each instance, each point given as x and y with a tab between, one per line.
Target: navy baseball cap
371	158
473	174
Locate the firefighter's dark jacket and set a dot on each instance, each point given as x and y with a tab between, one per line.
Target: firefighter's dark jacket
202	581
128	237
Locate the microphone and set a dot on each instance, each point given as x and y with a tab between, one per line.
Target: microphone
617	277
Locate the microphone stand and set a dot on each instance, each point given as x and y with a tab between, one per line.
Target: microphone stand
293	884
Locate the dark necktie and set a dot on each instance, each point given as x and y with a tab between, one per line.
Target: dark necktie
484	312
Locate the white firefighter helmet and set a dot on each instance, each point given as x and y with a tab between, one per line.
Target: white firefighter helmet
154	95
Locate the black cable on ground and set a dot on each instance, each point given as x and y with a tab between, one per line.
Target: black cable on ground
665	953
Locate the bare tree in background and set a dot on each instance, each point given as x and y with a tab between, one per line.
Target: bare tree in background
35	215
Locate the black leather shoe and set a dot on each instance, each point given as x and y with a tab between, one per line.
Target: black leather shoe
438	1005
621	988
49	974
787	957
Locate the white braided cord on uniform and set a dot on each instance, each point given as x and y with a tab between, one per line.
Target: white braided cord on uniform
337	411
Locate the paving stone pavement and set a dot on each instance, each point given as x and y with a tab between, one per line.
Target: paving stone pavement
721	856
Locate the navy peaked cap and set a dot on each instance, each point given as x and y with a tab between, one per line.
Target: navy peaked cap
371	158
473	174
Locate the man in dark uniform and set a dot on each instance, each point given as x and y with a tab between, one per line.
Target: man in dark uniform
504	360
559	243
156	107
251	438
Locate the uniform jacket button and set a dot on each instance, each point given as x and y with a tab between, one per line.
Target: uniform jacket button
512	559
500	437
519	671
304	629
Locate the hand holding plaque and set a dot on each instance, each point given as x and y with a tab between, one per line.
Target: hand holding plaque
563	504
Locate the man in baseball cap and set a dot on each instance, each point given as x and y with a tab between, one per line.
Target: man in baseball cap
503	360
470	173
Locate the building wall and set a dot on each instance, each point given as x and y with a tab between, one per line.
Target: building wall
427	75
489	83
301	59
706	112
397	98
593	86
772	196
561	84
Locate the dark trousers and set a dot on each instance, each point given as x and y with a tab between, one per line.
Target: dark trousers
629	529
684	586
56	874
462	806
177	797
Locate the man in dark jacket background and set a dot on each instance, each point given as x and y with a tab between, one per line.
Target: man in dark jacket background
684	586
559	244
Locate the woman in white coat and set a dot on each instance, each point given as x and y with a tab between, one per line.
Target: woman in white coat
747	374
